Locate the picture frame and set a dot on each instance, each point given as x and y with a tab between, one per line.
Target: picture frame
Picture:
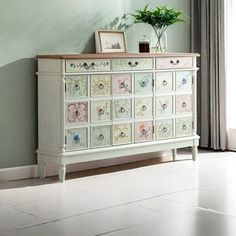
110	41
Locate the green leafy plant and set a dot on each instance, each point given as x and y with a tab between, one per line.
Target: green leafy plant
159	18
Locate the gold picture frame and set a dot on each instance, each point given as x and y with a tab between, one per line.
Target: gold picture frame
110	41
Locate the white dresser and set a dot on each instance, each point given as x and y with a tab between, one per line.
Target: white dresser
99	106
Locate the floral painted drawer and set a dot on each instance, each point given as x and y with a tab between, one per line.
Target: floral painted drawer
183	80
100	85
164	105
76	112
100	136
164	129
122	133
143	107
122	84
85	65
143	83
143	131
76	139
183	126
132	64
122	109
101	110
183	103
164	81
76	86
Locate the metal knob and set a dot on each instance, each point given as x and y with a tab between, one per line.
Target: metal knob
164	106
184	104
144	108
131	64
184	127
122	134
184	81
164	82
101	86
101	112
101	137
174	62
122	109
164	129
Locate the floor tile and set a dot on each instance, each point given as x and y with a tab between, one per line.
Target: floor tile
94	223
200	223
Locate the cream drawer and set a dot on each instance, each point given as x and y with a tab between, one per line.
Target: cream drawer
84	65
100	136
164	82
164	105
122	109
183	126
174	62
76	112
143	107
183	103
132	64
100	110
76	86
122	133
143	131
76	139
100	85
164	129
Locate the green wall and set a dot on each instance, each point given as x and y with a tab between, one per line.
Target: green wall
28	28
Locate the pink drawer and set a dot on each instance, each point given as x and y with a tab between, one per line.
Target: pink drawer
174	62
76	112
143	131
122	84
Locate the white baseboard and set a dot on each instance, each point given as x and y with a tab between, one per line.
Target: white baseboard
26	172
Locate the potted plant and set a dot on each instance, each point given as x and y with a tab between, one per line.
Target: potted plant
160	18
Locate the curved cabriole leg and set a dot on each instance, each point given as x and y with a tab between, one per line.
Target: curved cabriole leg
174	154
194	152
62	173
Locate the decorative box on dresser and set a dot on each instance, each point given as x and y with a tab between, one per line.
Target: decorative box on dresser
98	106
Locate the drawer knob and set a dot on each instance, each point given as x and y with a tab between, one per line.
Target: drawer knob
101	112
133	64
184	127
77	87
184	81
164	129
76	138
88	67
144	132
101	86
144	108
122	85
164	82
164	106
101	137
174	62
122	134
122	109
143	83
184	104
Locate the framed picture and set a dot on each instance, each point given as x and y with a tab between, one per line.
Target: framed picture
110	41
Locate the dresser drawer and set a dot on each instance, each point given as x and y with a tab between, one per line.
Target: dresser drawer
164	105
183	80
164	129
164	82
76	112
76	86
183	103
143	107
122	84
143	131
85	65
183	126
100	85
122	109
100	110
76	139
122	133
174	62
132	64
143	83
100	136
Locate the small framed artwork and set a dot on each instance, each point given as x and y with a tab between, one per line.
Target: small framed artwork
110	41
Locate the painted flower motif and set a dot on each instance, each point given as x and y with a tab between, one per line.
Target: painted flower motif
122	84
77	112
76	86
122	108
143	131
100	85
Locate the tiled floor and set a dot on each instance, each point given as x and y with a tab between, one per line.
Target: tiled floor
181	199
